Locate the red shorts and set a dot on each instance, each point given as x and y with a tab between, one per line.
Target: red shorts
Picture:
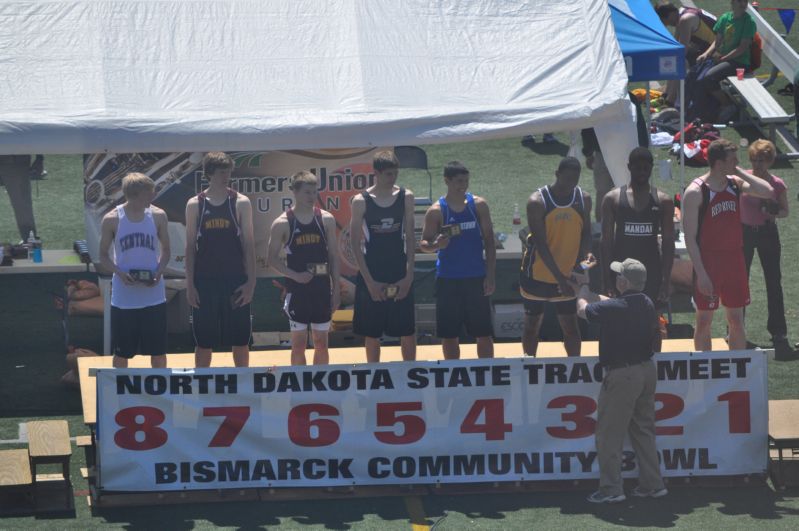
727	272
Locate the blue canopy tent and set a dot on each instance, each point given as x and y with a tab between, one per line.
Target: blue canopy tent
650	51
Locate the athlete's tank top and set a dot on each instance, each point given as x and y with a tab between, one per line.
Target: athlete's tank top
463	257
384	238
637	231
136	246
564	227
307	244
719	218
703	36
219	250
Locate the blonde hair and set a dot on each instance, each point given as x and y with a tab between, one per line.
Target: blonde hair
765	147
385	160
300	178
135	183
216	160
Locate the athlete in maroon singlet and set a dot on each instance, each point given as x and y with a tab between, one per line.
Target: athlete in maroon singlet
713	237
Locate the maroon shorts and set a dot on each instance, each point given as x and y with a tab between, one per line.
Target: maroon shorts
727	272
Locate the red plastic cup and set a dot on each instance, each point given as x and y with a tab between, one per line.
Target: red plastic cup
740	73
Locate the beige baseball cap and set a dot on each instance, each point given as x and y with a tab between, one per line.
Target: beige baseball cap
632	270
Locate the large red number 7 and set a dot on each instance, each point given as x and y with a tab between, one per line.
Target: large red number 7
235	417
413	426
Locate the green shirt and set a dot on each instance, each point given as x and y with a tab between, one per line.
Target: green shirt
733	31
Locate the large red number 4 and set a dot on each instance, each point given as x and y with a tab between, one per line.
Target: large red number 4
494	426
413	427
584	424
300	424
151	418
739	415
235	417
672	405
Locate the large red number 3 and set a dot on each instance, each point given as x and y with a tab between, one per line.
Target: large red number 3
235	417
300	424
141	419
413	427
494	426
584	424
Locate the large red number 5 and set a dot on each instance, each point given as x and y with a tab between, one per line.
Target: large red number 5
584	424
235	417
151	418
413	427
740	418
672	405
300	424
494	426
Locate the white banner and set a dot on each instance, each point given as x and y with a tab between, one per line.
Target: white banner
464	421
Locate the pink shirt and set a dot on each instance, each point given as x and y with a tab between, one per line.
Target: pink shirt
751	207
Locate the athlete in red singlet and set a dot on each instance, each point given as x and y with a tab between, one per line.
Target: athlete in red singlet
713	237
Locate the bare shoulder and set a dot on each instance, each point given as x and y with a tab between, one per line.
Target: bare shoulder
242	199
479	201
535	198
111	216
408	195
280	221
192	202
158	212
664	198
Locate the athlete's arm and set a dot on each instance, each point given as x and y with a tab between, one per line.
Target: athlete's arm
535	220
358	208
108	229
782	202
432	239
690	223
753	185
191	249
585	236
332	259
487	230
405	285
278	236
710	49
685	28
243	295
609	203
162	227
666	244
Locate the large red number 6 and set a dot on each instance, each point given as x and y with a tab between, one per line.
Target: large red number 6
672	405
413	427
740	418
494	426
235	417
151	418
300	424
584	424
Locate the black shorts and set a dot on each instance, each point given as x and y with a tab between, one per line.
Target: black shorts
374	318
309	303
139	331
460	302
537	294
216	324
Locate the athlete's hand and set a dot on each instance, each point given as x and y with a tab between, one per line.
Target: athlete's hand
663	295
441	241
302	278
126	278
404	287
156	278
704	284
192	297
243	294
488	286
377	290
590	260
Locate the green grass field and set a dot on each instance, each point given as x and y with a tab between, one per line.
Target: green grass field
505	173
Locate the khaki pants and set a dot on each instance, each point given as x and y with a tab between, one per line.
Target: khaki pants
627	405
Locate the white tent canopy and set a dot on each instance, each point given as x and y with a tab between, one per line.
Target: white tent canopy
87	76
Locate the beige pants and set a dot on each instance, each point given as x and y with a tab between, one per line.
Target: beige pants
627	406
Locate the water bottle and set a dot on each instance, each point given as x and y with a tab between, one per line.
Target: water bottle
35	248
517	218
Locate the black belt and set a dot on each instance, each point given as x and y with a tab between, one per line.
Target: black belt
612	366
767	225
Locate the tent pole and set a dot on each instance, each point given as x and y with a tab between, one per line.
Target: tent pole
682	137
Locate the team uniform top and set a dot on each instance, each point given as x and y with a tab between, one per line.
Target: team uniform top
219	249
703	36
463	257
719	219
307	244
384	238
636	236
564	226
136	246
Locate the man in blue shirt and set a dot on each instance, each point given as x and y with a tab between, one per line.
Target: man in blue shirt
458	226
626	405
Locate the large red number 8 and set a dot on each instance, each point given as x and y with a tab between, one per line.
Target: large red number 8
300	424
154	436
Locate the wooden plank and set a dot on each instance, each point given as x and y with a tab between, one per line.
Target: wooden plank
49	438
15	468
783	420
347	356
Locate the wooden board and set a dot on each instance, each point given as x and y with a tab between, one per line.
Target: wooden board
352	355
49	438
783	420
15	468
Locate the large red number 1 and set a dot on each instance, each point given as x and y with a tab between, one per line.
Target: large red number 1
494	426
740	418
151	418
235	417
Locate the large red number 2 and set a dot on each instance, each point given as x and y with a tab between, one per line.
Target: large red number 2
494	426
672	405
413	426
740	418
235	417
584	424
300	424
128	419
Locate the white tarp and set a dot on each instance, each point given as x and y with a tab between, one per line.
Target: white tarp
87	76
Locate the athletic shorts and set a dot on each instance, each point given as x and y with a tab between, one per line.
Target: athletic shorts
393	318
216	324
537	294
727	272
460	303
309	304
139	331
